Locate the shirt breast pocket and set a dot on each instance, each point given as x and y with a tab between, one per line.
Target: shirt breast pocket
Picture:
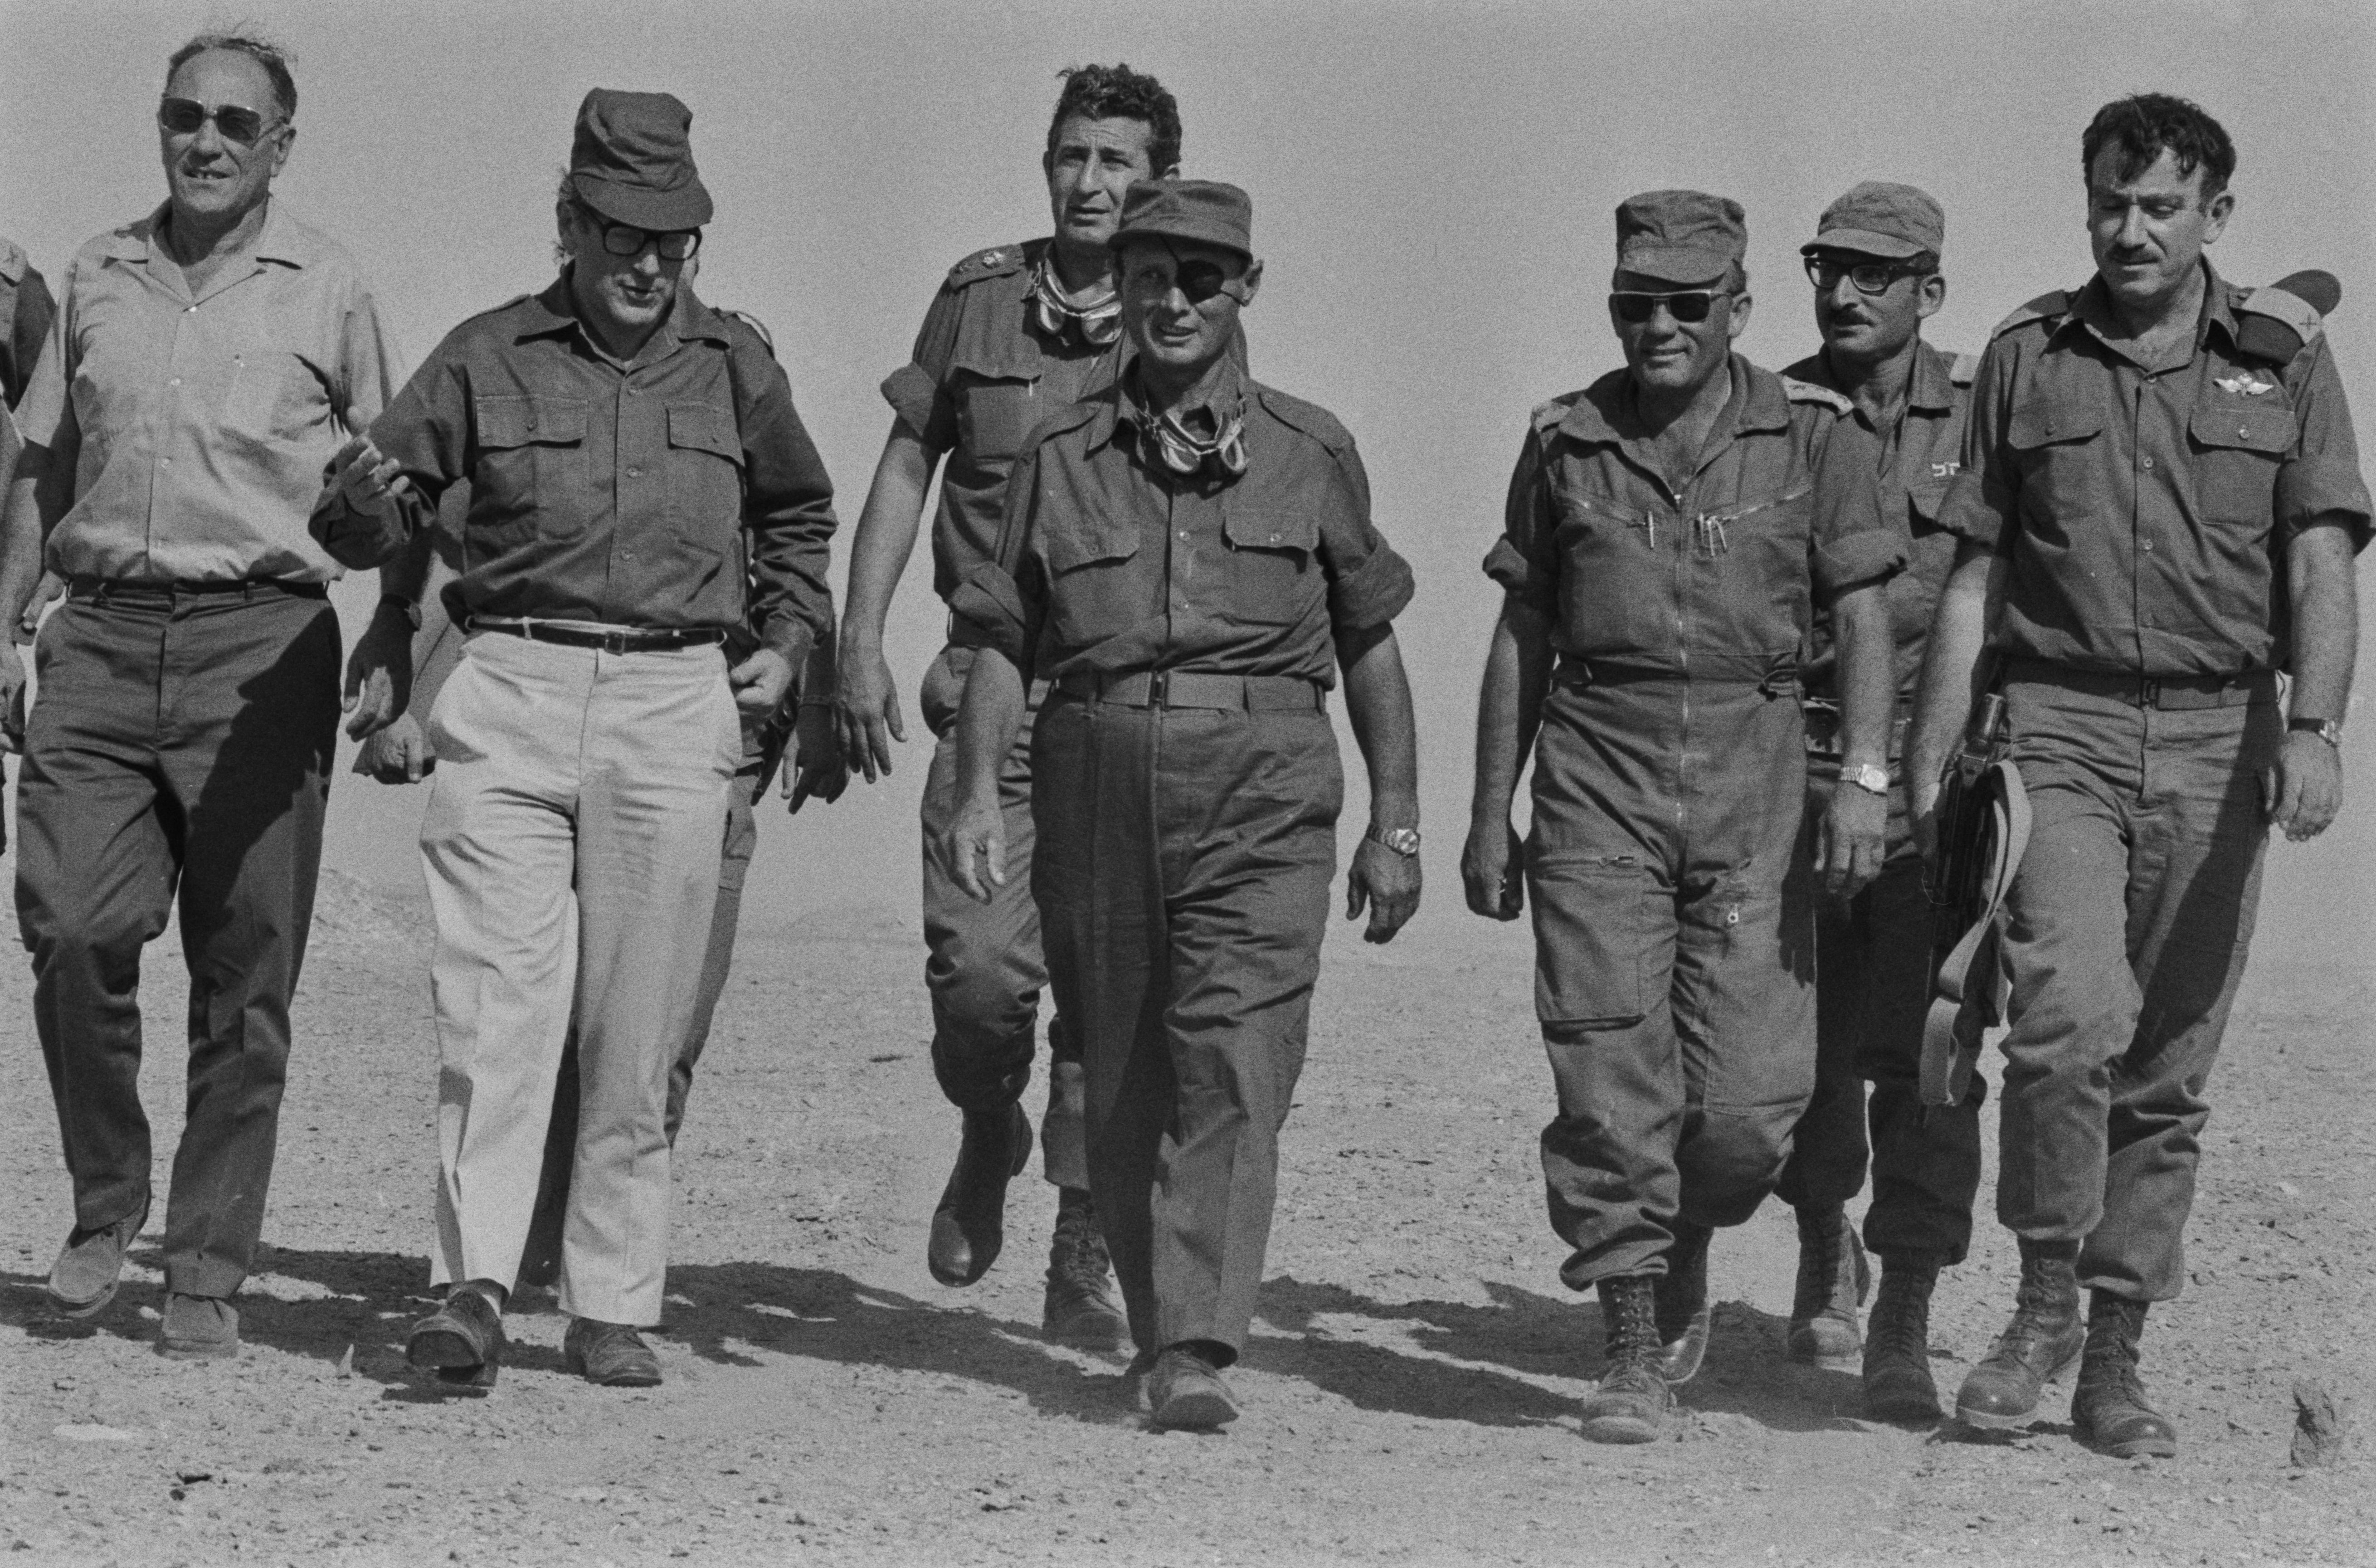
531	464
1759	550
1092	590
994	416
2237	453
705	476
1274	574
2058	454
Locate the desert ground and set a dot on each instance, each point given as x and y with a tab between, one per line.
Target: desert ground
1410	1394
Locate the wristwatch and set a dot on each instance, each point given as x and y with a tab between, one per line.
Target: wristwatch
1868	778
1403	841
409	609
2327	730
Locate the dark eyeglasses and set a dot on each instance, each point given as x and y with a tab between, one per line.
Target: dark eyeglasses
1688	306
1198	282
182	116
1870	276
674	244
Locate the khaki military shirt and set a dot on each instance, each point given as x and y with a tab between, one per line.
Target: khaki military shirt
25	311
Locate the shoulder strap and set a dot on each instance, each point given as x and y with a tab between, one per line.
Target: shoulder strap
2046	307
996	262
1800	391
2276	323
1964	369
758	329
1548	413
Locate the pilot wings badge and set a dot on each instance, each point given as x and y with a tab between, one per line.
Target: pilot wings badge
2244	382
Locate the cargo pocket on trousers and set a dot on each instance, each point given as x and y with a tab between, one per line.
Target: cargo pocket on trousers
1593	922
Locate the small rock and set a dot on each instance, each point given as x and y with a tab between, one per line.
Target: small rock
347	1363
585	1494
2321	1425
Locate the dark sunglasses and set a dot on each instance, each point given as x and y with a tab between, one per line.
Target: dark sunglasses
182	116
674	244
1200	280
1688	306
1870	276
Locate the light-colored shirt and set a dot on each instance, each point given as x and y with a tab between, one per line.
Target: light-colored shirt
199	425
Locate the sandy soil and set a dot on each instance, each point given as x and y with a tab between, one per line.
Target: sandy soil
1410	1396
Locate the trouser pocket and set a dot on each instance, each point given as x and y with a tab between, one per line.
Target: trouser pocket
1596	921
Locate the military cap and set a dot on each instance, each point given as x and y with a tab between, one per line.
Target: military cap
1881	219
1202	210
632	161
1680	237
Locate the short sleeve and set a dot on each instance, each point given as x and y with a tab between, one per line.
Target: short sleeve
2320	482
1368	582
918	390
1854	543
1525	560
990	606
369	375
27	333
1983	504
45	417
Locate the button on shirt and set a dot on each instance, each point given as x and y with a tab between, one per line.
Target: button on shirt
2146	511
1706	575
1920	452
198	425
1108	566
982	374
643	494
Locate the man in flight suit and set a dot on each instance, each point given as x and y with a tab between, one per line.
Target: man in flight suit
1667	530
1874	262
1187	557
1016	333
2156	517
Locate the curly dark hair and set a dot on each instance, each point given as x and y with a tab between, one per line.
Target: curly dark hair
1117	92
2146	125
275	60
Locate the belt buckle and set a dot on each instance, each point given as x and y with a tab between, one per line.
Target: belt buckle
614	643
2149	694
1158	688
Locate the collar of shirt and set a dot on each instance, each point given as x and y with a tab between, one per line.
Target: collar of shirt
553	312
1757	403
2091	310
281	241
1929	388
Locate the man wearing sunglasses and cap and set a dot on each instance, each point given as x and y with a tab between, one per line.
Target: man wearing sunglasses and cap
1187	558
1668	529
641	489
1874	265
199	370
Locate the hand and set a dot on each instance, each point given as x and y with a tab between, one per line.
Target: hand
760	682
2303	789
50	587
379	673
365	476
979	831
12	698
397	755
1848	850
819	770
1489	870
867	712
1387	883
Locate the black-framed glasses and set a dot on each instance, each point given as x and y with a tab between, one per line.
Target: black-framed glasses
1197	282
674	244
1870	276
182	116
1687	306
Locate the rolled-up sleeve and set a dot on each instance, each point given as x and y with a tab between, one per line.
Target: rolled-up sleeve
2320	482
787	507
1983	504
918	390
1854	543
1368	582
1002	604
1525	560
424	428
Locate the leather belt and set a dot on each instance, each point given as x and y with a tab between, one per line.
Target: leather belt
1771	674
101	590
607	639
2252	688
1173	688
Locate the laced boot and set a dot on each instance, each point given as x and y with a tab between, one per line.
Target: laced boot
1834	1280
1681	1297
2108	1408
2037	1346
1079	1307
1632	1403
1897	1383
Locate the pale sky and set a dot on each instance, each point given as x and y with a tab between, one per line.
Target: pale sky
1432	188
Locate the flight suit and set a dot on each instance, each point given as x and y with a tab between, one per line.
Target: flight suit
1187	789
988	365
1872	952
2144	514
1666	864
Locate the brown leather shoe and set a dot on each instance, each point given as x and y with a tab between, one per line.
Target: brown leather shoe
611	1354
1186	1391
462	1342
91	1263
969	1223
197	1328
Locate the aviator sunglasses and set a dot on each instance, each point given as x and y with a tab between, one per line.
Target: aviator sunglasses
1688	306
182	116
1870	276
675	244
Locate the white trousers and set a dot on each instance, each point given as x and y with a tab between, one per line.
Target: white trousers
571	846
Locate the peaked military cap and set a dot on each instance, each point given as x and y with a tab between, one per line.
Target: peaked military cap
1881	219
1680	237
1204	210
632	161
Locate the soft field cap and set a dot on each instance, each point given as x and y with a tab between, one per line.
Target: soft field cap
1204	210
1881	219
1680	237
632	161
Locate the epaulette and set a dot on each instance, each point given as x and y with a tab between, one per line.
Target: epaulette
1551	412
758	327
1800	391
1963	369
1310	418
497	310
996	262
2282	323
2046	307
12	262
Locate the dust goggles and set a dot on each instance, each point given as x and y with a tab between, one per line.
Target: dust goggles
184	116
674	244
1687	306
1870	276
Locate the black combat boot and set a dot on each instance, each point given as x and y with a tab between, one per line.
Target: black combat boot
2108	1408
2036	1347
1080	1308
1897	1383
1682	1303
969	1223
1632	1403
1834	1280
